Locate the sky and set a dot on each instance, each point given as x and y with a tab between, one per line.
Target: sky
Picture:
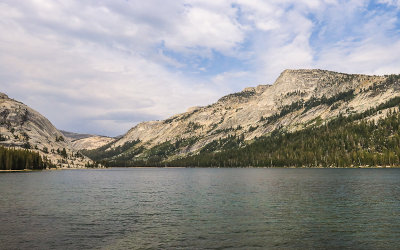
103	66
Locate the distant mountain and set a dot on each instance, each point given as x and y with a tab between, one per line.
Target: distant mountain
23	127
86	141
92	142
298	100
75	136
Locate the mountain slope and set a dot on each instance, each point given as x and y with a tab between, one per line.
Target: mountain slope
298	99
86	141
23	127
92	142
370	138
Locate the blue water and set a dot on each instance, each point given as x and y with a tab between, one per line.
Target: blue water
200	209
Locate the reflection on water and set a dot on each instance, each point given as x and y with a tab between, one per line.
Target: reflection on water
201	208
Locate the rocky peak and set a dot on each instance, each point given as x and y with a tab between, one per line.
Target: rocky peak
3	96
305	73
192	109
300	79
316	82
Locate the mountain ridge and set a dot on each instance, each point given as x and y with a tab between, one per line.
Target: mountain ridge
297	99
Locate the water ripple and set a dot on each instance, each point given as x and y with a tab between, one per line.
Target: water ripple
201	209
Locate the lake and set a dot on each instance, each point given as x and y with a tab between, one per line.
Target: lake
200	208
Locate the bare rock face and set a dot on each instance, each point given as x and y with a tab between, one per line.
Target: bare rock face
297	99
91	142
21	126
86	141
3	96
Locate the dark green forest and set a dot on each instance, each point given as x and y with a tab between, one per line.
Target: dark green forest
20	159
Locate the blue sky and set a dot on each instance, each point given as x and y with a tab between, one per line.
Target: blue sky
103	66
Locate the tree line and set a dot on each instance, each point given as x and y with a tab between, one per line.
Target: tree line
20	159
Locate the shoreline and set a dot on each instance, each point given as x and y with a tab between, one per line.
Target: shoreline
58	169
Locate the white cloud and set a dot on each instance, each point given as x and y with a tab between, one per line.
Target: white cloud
373	49
102	66
201	28
284	44
391	2
83	79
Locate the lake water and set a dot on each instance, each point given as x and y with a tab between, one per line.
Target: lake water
160	208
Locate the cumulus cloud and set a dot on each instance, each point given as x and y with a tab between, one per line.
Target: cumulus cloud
103	66
204	28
